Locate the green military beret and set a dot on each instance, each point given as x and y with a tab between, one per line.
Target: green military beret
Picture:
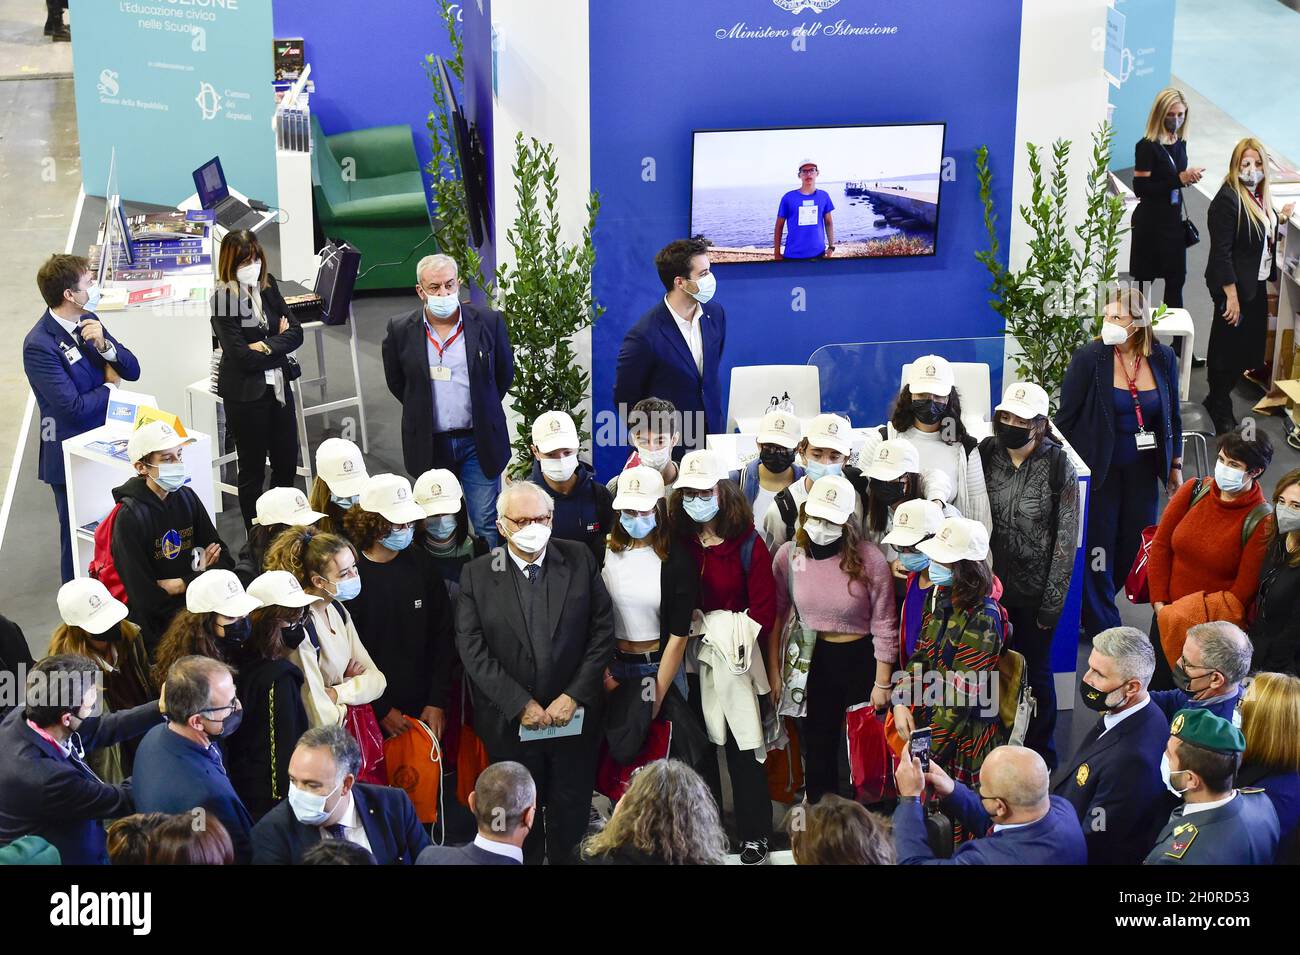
1202	728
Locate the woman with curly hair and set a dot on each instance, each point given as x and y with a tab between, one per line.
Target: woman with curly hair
666	817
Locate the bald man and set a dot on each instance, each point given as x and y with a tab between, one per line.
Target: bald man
1024	825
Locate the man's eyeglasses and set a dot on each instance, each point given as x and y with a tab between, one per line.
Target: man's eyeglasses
233	706
525	521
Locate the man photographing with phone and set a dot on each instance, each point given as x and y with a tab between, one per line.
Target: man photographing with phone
72	364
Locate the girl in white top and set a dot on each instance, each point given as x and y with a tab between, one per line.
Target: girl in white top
337	670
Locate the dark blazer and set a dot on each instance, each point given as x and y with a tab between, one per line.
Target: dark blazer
1235	247
1171	701
655	361
71	394
499	656
1053	840
395	834
1087	415
44	793
491	372
234	325
468	854
1115	787
14	653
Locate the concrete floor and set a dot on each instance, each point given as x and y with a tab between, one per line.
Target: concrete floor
24	49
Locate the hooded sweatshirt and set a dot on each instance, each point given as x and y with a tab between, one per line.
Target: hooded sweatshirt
154	539
585	514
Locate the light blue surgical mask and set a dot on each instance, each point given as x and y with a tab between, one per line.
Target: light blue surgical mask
1288	519
442	306
398	539
815	470
1228	478
914	561
344	502
940	575
171	477
701	509
707	285
93	295
346	589
442	526
639	527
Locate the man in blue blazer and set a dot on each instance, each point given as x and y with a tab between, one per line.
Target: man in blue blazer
1024	825
504	803
674	350
326	802
450	365
73	364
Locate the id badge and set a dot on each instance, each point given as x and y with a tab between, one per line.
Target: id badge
73	355
440	373
1174	197
1146	441
808	215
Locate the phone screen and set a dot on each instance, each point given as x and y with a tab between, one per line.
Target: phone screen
919	747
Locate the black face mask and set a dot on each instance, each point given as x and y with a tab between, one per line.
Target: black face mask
1010	436
112	635
776	460
929	412
1093	698
292	635
824	551
887	492
229	725
237	633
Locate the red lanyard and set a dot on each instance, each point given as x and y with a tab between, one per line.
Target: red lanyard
440	349
1132	386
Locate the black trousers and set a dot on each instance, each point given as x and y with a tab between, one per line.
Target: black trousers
840	676
1163	677
564	771
54	14
1173	291
748	780
1036	645
1234	349
261	428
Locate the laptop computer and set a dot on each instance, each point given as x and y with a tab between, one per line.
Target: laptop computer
214	195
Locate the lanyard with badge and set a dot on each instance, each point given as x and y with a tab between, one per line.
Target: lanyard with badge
1146	441
441	372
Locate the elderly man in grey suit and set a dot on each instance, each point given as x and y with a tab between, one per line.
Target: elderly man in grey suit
504	803
535	631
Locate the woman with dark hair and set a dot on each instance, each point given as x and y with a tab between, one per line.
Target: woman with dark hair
839	588
213	624
177	841
269	686
961	643
340	475
775	469
712	519
666	817
402	611
129	839
825	450
1209	548
914	522
277	510
257	334
445	533
894	476
1275	634
839	831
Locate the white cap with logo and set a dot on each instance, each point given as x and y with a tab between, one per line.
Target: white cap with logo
831	498
830	431
892	459
958	538
438	492
219	591
639	489
930	375
391	496
914	521
151	437
1025	400
341	467
281	589
86	603
699	470
285	505
779	427
554	430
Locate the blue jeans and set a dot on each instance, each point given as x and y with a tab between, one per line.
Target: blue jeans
459	455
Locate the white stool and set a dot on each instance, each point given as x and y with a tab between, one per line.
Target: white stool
1177	323
324	407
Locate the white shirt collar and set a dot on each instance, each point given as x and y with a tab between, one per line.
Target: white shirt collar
1191	807
1114	719
695	315
521	563
349	818
998	827
499	848
66	325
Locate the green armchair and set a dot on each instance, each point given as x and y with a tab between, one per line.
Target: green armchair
379	206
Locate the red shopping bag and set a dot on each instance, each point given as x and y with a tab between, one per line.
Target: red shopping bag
871	761
1136	586
364	727
612	778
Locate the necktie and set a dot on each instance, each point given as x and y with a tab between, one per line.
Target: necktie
532	570
336	831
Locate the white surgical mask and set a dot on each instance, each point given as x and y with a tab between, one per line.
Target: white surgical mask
309	808
531	539
707	285
93	295
1229	479
655	459
822	532
1288	518
249	274
442	306
560	469
1250	177
1166	773
1112	334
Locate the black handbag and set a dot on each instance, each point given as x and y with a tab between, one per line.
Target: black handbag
292	370
1191	234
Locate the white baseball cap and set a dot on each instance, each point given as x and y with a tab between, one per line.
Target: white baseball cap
930	374
638	489
699	470
958	538
391	496
154	436
831	498
936	485
808	162
830	431
281	589
341	467
86	603
1024	399
892	459
554	430
285	505
914	521
779	427
438	492
219	591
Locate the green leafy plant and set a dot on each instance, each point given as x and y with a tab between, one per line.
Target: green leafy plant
1054	304
546	298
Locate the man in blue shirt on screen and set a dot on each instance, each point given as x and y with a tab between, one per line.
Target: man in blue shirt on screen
807	212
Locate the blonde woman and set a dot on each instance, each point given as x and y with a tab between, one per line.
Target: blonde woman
1159	250
1270	721
1243	229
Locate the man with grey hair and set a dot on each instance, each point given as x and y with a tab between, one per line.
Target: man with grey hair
535	631
1114	780
1216	658
449	363
504	803
325	801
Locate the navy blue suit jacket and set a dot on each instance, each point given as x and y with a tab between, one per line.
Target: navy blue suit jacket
1053	840
468	854
1171	701
44	793
1119	796
71	394
655	361
395	834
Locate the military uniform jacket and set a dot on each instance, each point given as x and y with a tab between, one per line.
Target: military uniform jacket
1243	831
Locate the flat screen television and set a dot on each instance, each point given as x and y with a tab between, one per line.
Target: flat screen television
874	190
470	161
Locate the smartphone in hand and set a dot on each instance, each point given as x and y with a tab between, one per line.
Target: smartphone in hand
919	747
